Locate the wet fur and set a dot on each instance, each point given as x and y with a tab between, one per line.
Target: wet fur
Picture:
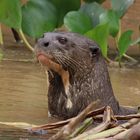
82	79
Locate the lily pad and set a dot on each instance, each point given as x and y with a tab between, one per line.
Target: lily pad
10	13
93	10
38	16
121	6
124	42
78	22
112	18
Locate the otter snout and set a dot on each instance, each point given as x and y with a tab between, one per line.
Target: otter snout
42	42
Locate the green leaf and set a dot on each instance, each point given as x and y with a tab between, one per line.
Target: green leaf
124	42
39	16
63	7
93	10
78	22
100	34
121	6
98	1
112	18
10	13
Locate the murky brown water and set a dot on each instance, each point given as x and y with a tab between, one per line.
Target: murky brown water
23	91
126	85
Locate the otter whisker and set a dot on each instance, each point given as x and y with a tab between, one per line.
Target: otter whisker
69	62
81	48
62	57
69	59
60	60
72	61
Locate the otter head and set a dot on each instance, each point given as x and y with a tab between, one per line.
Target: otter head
66	50
68	56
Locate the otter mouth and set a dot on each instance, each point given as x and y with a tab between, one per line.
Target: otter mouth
50	62
44	59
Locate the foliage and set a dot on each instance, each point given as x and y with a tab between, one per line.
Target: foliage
100	34
63	7
93	10
124	42
121	6
112	18
82	25
10	13
38	16
89	18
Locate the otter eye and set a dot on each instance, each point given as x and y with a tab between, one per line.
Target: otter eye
62	40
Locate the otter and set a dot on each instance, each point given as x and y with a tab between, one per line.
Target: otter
78	74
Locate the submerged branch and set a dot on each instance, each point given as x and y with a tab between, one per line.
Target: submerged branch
62	123
68	129
82	128
101	127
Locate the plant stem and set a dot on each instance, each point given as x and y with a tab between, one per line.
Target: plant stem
25	40
118	35
135	42
1	38
130	58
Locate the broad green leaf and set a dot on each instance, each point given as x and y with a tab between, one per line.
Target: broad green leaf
121	6
112	18
39	16
10	13
124	42
98	1
93	10
100	34
64	6
77	22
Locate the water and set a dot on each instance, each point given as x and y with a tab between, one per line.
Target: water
126	85
23	96
23	91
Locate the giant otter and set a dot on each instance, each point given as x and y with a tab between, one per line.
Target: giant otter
78	74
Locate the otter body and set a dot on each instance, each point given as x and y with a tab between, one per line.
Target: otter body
78	74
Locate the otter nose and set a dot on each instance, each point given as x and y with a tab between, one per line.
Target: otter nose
42	42
45	44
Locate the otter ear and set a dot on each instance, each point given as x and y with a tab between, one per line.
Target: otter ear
94	50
